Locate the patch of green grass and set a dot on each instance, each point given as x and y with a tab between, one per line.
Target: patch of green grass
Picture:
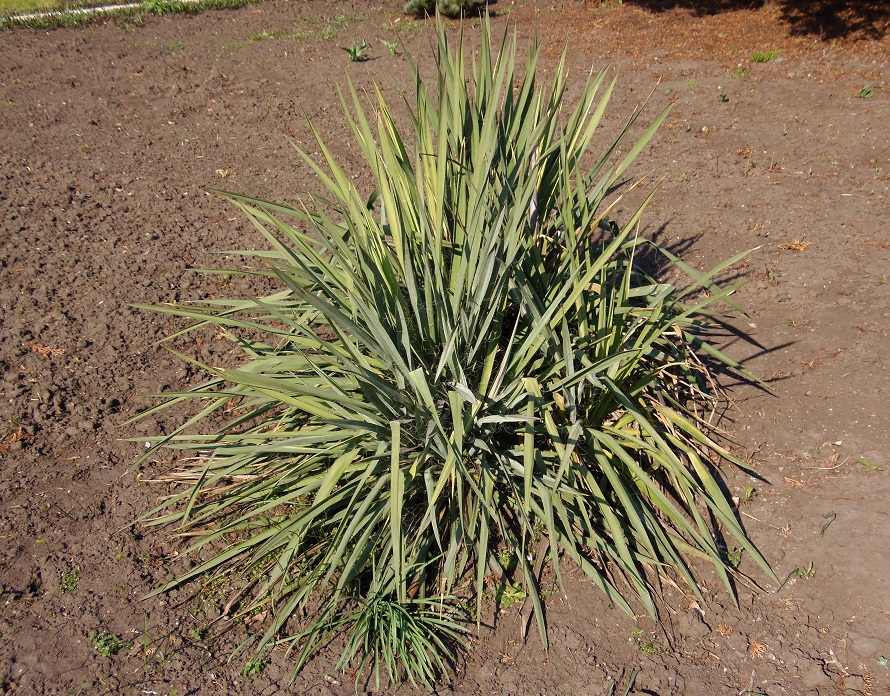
109	644
69	581
866	92
421	634
274	34
10	7
232	46
175	47
760	56
66	14
645	641
254	667
403	25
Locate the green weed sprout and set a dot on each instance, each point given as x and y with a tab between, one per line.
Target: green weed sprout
356	51
391	46
109	644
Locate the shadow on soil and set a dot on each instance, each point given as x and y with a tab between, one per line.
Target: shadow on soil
829	19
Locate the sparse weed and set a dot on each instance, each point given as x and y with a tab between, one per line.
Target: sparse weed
232	46
69	581
391	46
403	25
866	92
734	556
645	641
274	34
109	644
509	593
254	667
764	56
805	573
356	51
507	560
863	460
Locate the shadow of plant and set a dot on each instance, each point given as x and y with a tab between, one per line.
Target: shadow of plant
829	19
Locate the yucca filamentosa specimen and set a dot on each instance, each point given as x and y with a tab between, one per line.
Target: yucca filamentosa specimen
465	362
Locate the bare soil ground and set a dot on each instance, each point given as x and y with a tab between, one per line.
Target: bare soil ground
112	138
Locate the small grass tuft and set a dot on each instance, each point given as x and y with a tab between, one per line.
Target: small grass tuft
69	581
109	644
645	642
263	35
761	56
54	15
254	667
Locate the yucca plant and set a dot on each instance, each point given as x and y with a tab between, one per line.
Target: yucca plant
465	362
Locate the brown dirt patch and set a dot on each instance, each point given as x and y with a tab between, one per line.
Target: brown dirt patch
112	138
